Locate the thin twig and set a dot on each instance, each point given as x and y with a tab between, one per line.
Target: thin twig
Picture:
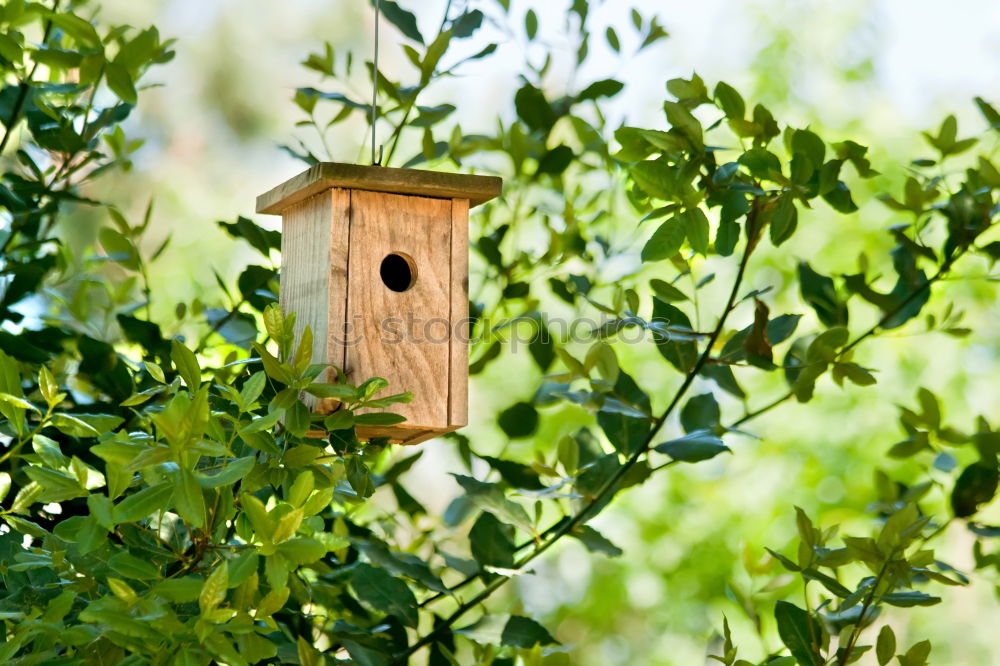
565	527
22	94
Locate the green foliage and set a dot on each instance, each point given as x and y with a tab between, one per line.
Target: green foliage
170	501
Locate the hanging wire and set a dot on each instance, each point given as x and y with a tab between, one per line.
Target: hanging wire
375	162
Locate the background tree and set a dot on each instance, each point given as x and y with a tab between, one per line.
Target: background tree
166	506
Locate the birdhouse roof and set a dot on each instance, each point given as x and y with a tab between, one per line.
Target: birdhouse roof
417	182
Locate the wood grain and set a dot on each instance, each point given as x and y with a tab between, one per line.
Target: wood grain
322	176
402	336
458	370
314	253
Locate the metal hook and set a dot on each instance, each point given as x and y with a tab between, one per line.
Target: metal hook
375	88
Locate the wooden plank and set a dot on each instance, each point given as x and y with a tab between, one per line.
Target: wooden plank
458	371
477	189
404	336
314	251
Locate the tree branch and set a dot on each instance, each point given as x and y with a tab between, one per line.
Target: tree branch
563	528
25	87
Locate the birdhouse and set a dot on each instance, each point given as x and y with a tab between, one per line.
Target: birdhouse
375	261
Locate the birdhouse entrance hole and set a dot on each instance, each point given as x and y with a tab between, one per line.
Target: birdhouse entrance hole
398	272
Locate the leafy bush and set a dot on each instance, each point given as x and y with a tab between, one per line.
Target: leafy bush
165	504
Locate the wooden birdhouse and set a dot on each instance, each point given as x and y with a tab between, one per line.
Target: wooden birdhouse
375	261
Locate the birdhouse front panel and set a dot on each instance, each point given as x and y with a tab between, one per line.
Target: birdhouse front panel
399	299
375	263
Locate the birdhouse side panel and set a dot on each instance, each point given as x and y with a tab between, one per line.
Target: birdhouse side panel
458	394
399	300
314	249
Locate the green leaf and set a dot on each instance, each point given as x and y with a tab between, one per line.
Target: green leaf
120	249
612	36
120	82
784	220
379	418
700	413
688	90
19	402
523	632
492	542
730	101
386	594
604	88
302	550
785	562
187	364
259	238
534	109
405	21
800	633
626	432
976	485
144	503
810	145
596	542
680	118
657	179
693	447
232	471
297	419
188	498
48	450
820	292
81	30
666	241
489	497
531	24
917	654
337	391
829	582
989	112
130	566
514	473
213	592
761	163
519	420
288	524
402	564
666	292
342	419
467	24
910	599
555	161
252	388
696	229
885	647
681	353
487	630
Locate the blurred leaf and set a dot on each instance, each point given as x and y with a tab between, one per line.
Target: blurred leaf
523	632
405	21
694	447
519	420
800	633
976	485
384	593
